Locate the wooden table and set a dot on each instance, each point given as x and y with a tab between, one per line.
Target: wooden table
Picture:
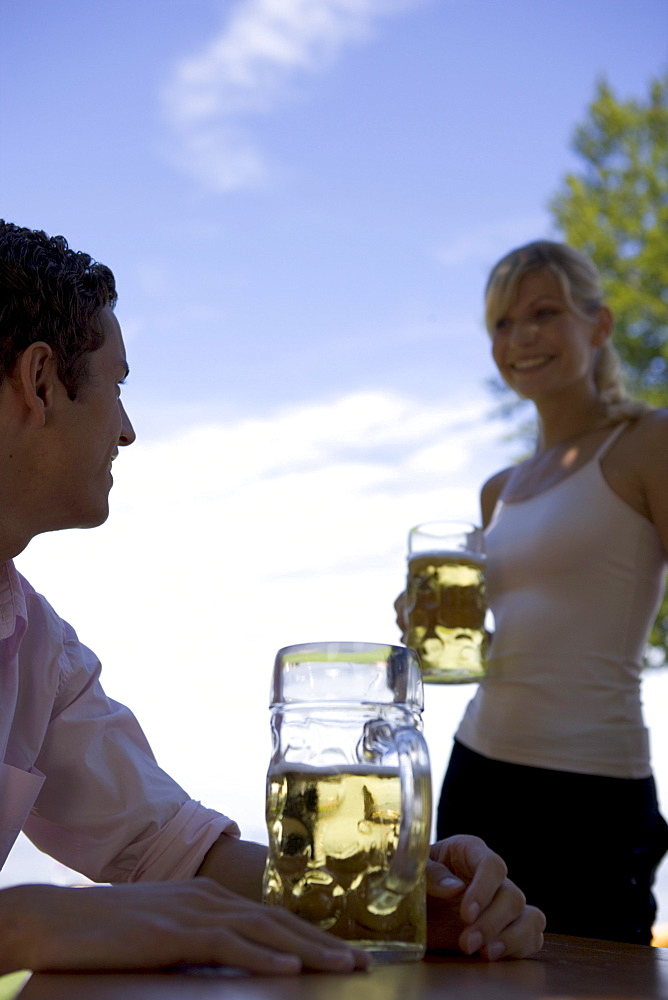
567	968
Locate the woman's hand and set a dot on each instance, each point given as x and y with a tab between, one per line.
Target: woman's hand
473	906
402	614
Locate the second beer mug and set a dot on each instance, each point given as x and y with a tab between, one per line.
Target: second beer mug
445	601
349	794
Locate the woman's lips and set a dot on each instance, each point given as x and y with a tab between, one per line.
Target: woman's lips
529	364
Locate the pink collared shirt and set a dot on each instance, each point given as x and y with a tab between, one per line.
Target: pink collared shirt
76	772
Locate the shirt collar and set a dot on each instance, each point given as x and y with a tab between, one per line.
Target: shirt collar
12	599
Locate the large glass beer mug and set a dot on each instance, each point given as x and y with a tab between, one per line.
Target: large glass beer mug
445	601
349	794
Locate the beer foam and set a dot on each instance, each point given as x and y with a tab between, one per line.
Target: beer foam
448	556
332	770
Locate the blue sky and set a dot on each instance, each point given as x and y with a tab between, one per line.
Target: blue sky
300	200
302	197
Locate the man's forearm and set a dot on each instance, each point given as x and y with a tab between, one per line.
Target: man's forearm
236	864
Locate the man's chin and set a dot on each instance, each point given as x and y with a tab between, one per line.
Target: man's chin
95	520
91	518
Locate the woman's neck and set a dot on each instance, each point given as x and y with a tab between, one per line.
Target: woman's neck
561	423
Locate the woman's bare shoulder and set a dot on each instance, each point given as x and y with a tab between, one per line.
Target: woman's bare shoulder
650	431
654	421
490	492
648	441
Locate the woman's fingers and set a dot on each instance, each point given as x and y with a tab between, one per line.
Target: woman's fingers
401	614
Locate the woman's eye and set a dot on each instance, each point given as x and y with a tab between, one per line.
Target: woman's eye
547	312
501	325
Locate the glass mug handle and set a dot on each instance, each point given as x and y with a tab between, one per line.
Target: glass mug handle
410	857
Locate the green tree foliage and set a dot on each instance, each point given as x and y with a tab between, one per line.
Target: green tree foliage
616	210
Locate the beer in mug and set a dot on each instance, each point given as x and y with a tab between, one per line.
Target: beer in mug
333	832
445	601
349	794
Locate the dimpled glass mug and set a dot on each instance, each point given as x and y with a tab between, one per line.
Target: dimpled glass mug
445	601
349	794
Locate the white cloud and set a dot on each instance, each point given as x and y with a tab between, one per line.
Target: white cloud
230	540
281	527
248	69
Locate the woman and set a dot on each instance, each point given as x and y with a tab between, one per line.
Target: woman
552	758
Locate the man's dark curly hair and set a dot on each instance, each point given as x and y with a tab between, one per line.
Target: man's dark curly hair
51	293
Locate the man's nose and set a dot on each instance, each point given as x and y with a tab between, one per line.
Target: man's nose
127	435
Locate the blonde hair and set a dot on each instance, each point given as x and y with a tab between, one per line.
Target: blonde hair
581	285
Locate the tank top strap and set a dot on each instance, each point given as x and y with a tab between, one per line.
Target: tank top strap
610	440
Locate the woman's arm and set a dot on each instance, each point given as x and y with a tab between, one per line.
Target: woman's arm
653	452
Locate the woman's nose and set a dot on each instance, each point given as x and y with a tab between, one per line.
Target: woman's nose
524	331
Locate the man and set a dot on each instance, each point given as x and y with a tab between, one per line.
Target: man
76	772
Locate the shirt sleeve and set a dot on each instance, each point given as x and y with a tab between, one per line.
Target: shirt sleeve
106	809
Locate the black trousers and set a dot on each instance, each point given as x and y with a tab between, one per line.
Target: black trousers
583	848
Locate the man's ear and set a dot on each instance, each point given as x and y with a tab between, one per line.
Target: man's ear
35	377
603	326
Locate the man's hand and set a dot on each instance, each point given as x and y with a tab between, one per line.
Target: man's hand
473	906
157	925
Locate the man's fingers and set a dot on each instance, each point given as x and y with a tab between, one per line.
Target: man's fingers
507	906
442	882
269	927
315	948
507	928
158	925
232	949
470	859
521	939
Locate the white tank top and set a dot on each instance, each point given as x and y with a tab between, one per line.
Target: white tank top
574	578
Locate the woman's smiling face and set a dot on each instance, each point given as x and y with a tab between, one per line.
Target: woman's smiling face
541	344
